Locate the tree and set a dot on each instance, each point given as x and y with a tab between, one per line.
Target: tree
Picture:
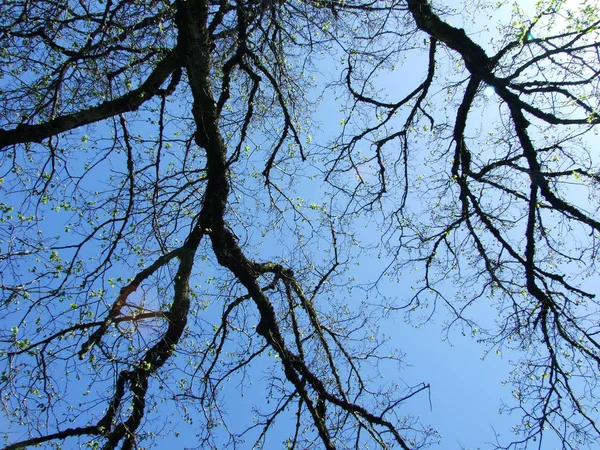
158	253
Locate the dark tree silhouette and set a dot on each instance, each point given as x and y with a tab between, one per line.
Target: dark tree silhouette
513	202
158	254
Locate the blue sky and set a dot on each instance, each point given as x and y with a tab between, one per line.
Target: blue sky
466	377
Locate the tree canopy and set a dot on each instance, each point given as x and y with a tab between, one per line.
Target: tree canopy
176	227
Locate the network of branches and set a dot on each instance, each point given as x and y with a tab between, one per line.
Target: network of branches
178	233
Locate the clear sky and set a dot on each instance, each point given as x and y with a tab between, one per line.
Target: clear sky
467	378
